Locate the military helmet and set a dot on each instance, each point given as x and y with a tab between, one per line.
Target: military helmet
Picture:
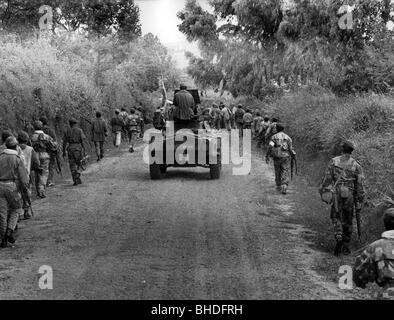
37	125
72	121
23	137
348	145
5	134
11	142
44	120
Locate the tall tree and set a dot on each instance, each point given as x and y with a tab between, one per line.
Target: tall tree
98	17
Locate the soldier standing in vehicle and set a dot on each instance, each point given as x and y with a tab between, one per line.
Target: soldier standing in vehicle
43	144
183	103
376	262
344	176
280	148
52	160
74	142
13	181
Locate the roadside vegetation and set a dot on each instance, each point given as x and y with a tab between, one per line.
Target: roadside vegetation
325	79
84	64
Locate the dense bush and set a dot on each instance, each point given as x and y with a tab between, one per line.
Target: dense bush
71	75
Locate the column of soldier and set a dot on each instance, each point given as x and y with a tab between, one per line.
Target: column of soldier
32	159
342	187
27	160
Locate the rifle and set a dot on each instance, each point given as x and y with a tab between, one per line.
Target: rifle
84	162
357	210
294	164
58	164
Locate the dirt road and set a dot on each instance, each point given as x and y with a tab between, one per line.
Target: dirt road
123	236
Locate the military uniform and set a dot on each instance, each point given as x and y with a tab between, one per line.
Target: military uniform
99	133
13	177
346	174
117	124
40	142
376	263
74	142
52	160
281	150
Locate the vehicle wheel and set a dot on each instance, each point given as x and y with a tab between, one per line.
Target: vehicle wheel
155	171
215	171
163	168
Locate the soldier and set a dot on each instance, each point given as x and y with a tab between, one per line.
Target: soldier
123	114
247	120
32	162
52	160
280	148
215	115
43	144
257	120
74	142
344	178
4	135
238	117
226	116
117	124
271	130
133	127
13	180
183	103
265	124
99	133
376	263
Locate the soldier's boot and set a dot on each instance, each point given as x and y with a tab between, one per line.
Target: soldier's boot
338	248
284	189
26	214
4	243
345	249
9	236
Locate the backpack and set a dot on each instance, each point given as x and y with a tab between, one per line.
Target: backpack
132	121
45	145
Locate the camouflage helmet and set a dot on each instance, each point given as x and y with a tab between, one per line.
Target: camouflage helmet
37	125
11	142
44	120
23	137
348	145
72	121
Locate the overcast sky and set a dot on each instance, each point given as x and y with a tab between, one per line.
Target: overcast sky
159	17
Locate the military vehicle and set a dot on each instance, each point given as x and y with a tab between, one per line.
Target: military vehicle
207	147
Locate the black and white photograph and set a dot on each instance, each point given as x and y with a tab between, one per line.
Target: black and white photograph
205	152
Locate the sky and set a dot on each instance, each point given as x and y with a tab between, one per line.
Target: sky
159	17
